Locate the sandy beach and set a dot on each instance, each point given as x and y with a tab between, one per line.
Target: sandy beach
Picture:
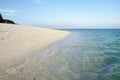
18	41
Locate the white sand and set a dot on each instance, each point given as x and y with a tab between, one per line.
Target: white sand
18	41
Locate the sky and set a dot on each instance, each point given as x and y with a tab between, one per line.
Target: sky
63	13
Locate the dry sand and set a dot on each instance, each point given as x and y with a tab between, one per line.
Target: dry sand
18	41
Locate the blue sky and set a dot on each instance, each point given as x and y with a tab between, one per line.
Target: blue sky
63	13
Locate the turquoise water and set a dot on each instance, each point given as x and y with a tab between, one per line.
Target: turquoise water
83	55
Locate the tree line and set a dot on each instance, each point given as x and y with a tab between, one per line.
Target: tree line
2	20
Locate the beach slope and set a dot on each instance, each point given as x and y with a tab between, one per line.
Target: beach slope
18	41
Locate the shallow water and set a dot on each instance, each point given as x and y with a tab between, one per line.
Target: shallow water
84	55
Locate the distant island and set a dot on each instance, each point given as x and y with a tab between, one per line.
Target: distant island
6	20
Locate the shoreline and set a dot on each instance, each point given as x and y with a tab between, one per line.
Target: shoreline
19	41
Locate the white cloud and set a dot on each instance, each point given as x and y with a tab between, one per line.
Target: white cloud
38	1
8	12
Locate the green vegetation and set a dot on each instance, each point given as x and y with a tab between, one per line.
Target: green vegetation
6	20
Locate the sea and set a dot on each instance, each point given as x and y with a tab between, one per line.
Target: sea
86	54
